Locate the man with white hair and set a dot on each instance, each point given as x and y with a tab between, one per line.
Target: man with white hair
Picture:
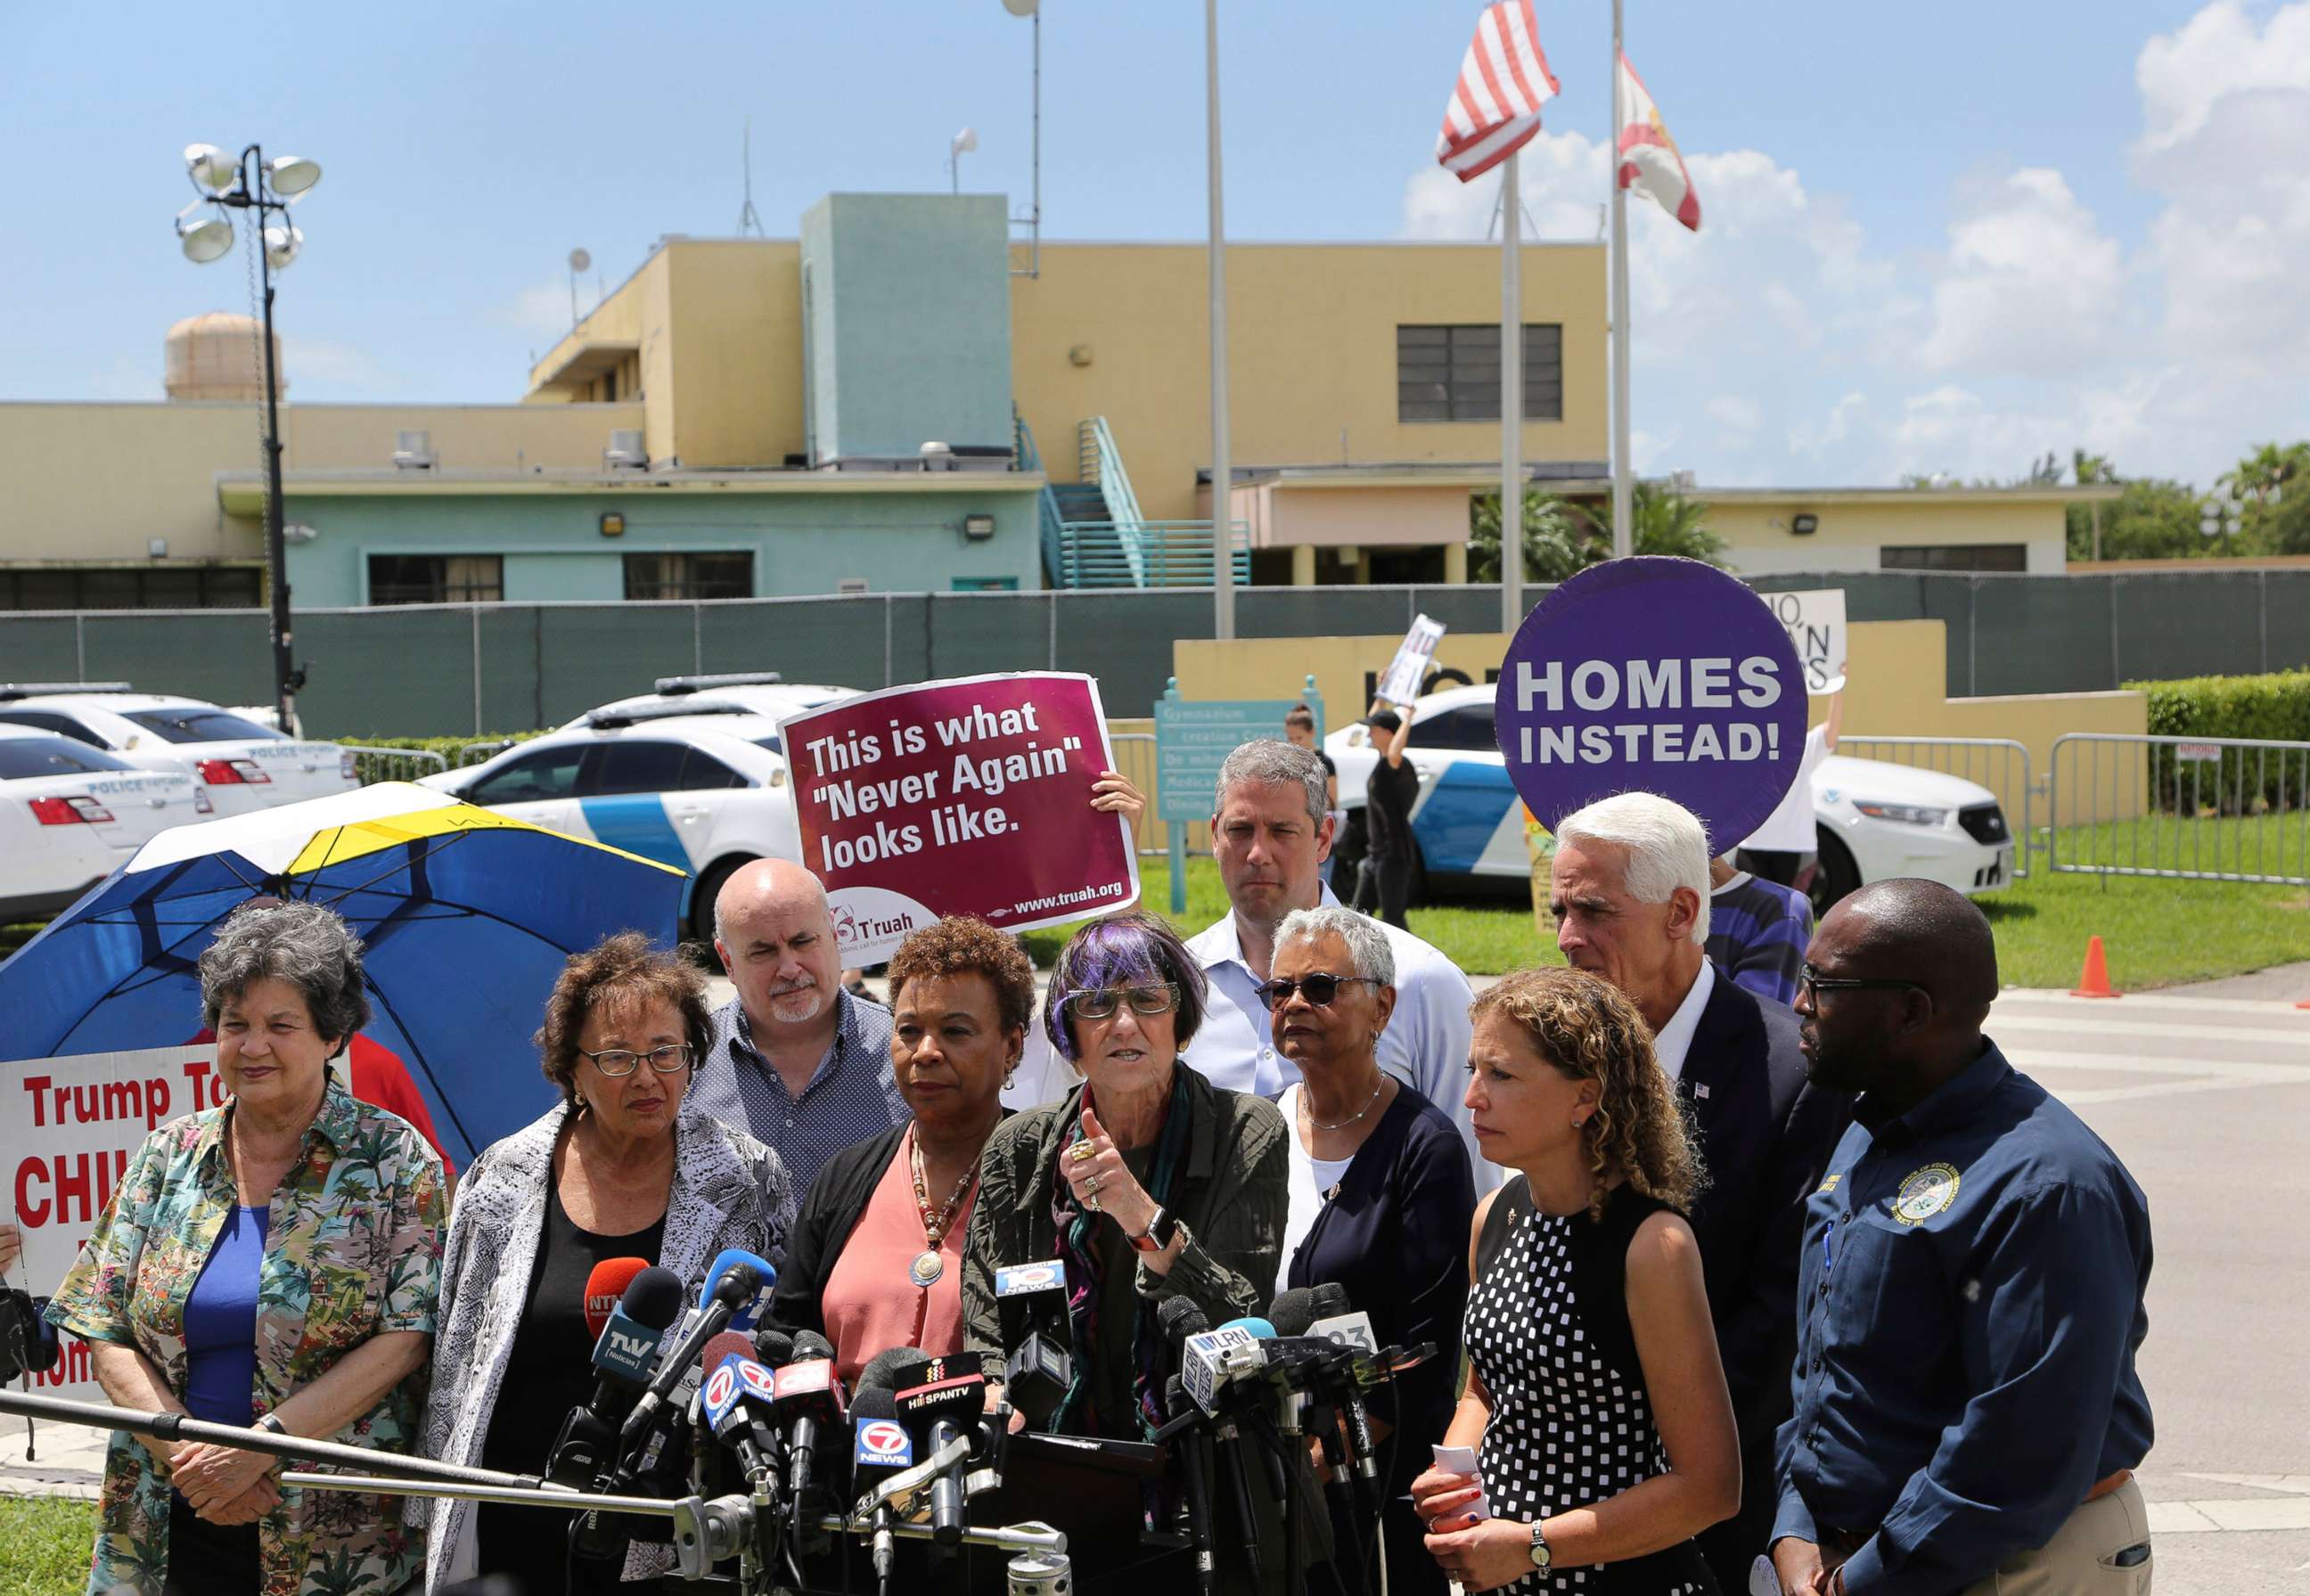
798	1062
1630	889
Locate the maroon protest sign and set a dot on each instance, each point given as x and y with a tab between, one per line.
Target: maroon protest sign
963	797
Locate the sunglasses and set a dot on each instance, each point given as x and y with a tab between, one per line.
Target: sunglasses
1103	1002
1318	989
1810	979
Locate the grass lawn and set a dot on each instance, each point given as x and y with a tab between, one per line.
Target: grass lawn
2156	933
44	1545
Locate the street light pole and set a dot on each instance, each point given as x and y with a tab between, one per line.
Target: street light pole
1223	468
286	678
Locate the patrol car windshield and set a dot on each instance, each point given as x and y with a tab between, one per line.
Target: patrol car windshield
203	725
770	743
52	756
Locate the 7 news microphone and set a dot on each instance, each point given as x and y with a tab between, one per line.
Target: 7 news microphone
880	1447
628	1305
939	1401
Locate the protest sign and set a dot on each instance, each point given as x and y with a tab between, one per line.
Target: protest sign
67	1127
1413	655
1656	675
964	797
1815	622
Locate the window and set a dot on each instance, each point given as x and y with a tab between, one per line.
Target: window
1452	373
436	578
729	576
635	766
1954	557
701	771
50	755
47	720
1469	727
132	587
202	725
540	778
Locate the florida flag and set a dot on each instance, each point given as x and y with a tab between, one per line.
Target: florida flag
1495	107
1649	161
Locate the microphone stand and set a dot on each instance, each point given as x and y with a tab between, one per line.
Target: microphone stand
1182	1432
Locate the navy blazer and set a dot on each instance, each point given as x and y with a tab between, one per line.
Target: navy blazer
1396	1239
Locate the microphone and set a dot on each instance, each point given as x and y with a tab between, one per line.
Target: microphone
940	1402
737	1395
736	1293
1181	1320
1191	1468
1210	1360
879	1447
805	1395
629	1303
1037	1377
773	1347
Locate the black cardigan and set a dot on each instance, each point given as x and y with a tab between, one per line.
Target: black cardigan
837	1199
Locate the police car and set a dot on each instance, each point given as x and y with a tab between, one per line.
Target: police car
766	693
1875	820
699	782
244	765
70	815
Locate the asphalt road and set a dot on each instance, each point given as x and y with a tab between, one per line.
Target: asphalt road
2208	1100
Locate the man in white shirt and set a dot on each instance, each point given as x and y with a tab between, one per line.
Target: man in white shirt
1630	893
1271	832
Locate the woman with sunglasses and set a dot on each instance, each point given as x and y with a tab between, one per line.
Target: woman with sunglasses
1146	1182
617	1169
1381	1198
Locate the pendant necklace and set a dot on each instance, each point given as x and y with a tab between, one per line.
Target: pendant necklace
927	1266
1377	1088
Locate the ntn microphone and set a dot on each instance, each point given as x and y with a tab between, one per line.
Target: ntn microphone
737	1289
606	1286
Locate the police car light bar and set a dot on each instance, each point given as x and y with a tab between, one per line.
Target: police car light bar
673	687
33	690
603	720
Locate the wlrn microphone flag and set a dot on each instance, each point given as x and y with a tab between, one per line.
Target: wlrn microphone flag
1495	107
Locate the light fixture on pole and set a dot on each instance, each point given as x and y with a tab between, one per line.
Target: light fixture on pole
961	144
579	260
269	189
1034	217
2221	516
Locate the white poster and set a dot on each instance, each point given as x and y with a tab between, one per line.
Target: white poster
1815	622
1413	656
67	1127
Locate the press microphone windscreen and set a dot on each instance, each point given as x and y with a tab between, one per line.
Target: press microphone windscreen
1327	1299
873	1401
654	1298
774	1348
1179	1319
723	1345
759	1277
809	1344
1291	1313
887	1368
606	1287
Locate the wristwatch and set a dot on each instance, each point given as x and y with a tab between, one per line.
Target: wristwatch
272	1421
1160	1232
1540	1558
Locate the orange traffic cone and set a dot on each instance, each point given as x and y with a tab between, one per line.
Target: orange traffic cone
2094	982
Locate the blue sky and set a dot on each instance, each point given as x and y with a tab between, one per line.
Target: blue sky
1992	223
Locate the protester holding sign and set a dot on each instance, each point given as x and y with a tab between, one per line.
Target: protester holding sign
1393	787
274	1261
876	1258
1780	850
620	1167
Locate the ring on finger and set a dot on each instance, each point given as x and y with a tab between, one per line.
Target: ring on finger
1096	1181
1079	1152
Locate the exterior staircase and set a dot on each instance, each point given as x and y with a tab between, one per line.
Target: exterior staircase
1094	535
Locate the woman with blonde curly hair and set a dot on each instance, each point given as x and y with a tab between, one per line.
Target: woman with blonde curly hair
1593	1390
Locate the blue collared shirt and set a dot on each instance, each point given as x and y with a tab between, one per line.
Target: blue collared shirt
852	1098
1970	1304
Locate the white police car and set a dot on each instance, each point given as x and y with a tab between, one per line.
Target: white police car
697	783
1875	820
244	765
766	693
70	815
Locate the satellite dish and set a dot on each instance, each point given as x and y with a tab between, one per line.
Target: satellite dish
579	260
1019	8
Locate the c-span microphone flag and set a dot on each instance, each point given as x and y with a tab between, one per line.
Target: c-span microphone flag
1495	107
1649	161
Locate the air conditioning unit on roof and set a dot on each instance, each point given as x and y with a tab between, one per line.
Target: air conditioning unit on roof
627	451
413	451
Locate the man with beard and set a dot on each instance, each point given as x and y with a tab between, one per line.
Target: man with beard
1968	1413
801	1063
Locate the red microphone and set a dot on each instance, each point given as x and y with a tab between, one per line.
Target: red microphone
605	1287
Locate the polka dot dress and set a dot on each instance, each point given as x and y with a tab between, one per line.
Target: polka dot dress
1568	1429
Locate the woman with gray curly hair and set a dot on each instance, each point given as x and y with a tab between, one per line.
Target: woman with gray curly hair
274	1261
619	1168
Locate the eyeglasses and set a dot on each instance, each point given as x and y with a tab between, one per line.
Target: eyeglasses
1102	1001
1810	979
1318	989
669	1060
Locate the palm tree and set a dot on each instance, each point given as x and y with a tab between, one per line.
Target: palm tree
2263	476
2091	470
1668	523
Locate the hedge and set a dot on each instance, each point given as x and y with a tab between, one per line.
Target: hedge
2274	707
448	748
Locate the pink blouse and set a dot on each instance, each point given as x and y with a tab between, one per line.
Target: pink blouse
869	1303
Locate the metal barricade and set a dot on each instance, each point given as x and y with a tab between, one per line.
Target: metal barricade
2214	809
374	765
2000	764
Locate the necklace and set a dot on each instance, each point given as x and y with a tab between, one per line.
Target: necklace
1377	1088
927	1266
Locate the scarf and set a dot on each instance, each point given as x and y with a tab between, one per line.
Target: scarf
1078	1230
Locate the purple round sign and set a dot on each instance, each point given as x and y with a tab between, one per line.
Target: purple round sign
1653	675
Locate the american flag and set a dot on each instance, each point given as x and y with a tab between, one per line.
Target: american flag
1495	107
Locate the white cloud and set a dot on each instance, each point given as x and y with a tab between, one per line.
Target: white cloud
542	310
2030	285
344	369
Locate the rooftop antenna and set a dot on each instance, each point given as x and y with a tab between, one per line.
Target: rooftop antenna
1034	216
749	219
579	260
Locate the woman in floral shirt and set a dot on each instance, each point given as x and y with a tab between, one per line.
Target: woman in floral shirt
274	1261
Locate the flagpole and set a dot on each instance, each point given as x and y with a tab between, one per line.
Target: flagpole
1623	507
1511	400
1222	470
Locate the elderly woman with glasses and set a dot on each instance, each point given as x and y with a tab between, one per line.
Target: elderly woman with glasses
1381	1196
618	1170
275	1262
1145	1182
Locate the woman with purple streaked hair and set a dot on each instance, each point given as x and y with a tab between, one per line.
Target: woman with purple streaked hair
1146	1182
